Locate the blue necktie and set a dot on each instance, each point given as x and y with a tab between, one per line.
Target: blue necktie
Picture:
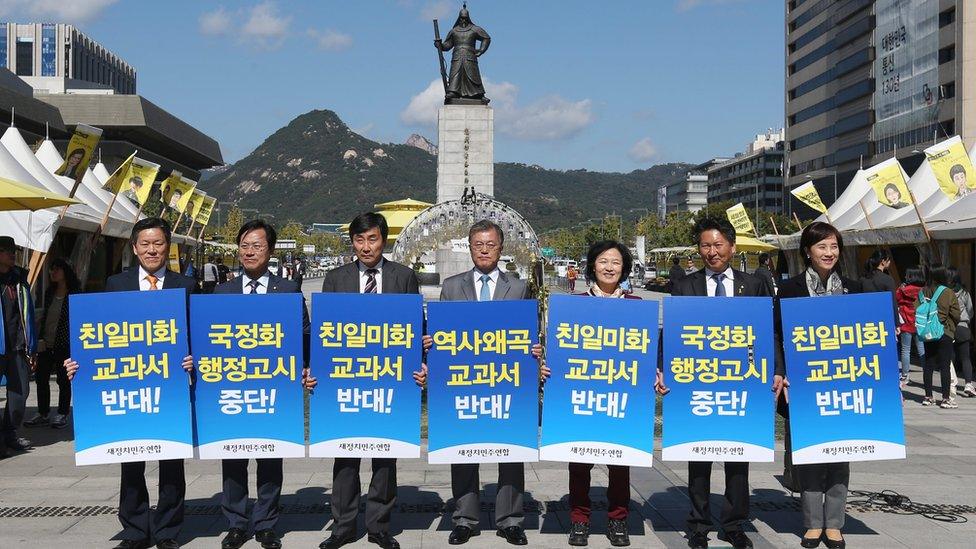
485	290
719	286
253	285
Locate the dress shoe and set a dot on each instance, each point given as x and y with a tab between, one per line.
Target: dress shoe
617	533
579	534
335	542
737	538
134	544
698	540
167	544
384	540
833	543
513	534
234	539
268	539
811	543
460	535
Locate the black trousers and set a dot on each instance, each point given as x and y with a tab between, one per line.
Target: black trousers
938	354
47	362
264	515
346	493
735	507
134	513
14	367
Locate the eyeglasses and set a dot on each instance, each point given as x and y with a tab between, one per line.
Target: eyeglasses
256	247
489	246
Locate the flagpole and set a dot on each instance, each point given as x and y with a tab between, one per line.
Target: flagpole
796	219
773	221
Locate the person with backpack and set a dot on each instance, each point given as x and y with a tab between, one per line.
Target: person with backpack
906	296
936	315
964	336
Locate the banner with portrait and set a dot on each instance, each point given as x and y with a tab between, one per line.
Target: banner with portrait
599	401
842	365
365	348
248	351
719	367
131	395
193	204
79	154
483	385
133	180
890	183
176	192
952	166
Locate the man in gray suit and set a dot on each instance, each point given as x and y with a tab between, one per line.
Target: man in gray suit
369	274
485	282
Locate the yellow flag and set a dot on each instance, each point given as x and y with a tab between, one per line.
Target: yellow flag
177	191
952	167
174	258
739	218
166	187
80	150
206	210
193	204
114	183
139	183
808	194
890	183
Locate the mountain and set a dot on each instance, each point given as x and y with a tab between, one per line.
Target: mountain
421	143
316	169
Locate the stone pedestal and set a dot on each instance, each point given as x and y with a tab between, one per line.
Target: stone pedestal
466	150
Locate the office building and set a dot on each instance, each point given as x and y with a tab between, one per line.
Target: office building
689	194
753	177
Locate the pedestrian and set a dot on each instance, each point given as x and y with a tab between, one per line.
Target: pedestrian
150	240
936	315
906	296
571	278
765	273
211	275
54	346
876	278
823	485
964	335
223	272
690	266
607	262
18	343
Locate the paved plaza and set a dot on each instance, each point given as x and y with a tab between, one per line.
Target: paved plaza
46	501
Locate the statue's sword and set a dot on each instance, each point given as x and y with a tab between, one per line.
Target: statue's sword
440	55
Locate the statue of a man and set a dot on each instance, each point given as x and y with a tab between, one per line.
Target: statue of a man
465	79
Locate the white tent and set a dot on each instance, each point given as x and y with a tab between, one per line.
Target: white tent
29	230
101	173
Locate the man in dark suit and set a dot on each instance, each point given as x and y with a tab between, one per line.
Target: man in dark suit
150	244
716	244
255	243
370	273
676	273
485	282
765	273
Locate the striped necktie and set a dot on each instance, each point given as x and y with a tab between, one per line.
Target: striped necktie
370	281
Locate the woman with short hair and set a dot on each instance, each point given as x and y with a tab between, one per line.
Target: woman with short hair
939	352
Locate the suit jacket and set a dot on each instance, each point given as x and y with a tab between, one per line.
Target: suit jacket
396	279
276	285
128	281
744	284
460	287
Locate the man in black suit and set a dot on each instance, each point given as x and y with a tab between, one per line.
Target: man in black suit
255	243
716	244
150	244
765	272
676	273
370	273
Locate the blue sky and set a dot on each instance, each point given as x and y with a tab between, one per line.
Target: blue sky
601	85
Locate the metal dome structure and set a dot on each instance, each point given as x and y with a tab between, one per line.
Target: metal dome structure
440	224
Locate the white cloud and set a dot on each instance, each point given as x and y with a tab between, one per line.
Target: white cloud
550	118
643	151
215	23
331	40
70	11
435	10
265	27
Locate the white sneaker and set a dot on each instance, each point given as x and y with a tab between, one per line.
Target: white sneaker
37	421
928	401
949	403
969	390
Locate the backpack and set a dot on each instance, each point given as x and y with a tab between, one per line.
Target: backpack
928	327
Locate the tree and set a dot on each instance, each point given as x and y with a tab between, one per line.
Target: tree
228	231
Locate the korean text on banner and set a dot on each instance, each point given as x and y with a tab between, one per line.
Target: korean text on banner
81	149
719	368
845	403
890	183
599	402
739	218
131	395
249	359
807	193
206	210
483	385
365	349
952	167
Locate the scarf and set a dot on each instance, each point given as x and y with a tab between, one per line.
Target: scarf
596	291
816	287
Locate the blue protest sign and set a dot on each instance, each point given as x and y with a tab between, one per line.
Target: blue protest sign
131	395
719	367
842	365
599	402
365	348
483	386
248	392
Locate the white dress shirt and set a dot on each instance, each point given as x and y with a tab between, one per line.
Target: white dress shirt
262	283
492	283
363	277
710	283
144	282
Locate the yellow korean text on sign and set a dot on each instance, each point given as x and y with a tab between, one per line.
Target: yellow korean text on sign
807	193
739	218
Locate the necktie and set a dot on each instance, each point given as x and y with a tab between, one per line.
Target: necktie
485	290
719	285
253	285
370	281
153	279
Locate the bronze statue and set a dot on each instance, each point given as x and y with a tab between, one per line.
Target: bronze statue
464	84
